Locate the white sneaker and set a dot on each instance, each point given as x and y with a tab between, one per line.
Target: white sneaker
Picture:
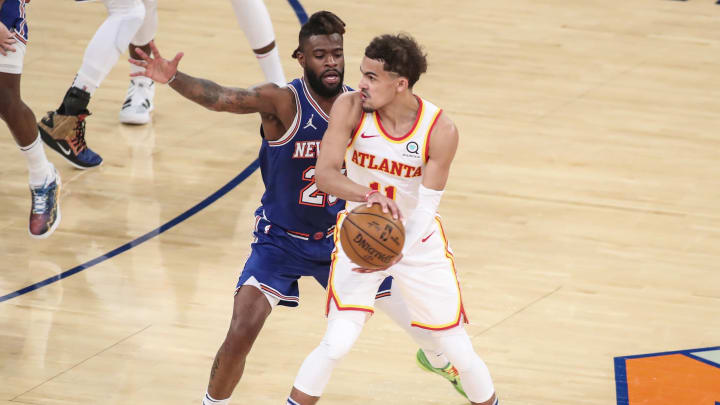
139	102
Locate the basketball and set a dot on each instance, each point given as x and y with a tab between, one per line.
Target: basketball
370	237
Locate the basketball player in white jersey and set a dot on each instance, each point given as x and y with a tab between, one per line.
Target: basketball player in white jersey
253	18
44	180
398	149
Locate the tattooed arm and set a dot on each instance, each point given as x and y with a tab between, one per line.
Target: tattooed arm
262	99
219	98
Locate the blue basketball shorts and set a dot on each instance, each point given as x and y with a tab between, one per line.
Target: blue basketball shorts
277	260
12	14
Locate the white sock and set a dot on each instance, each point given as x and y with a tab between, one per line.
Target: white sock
208	400
139	79
38	165
136	69
271	67
83	82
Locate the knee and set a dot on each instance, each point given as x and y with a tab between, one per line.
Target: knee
8	102
128	16
336	349
241	335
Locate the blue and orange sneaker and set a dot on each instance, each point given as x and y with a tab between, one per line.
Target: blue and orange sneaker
45	211
449	372
65	134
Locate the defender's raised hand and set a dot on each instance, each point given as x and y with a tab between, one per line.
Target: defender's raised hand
156	68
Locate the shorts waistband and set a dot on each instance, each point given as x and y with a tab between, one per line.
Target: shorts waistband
315	236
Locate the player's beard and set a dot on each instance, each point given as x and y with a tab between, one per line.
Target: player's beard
320	88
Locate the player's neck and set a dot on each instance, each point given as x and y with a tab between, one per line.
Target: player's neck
401	113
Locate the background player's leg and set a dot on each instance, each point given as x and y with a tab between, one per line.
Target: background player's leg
43	179
139	100
64	129
250	310
254	19
343	329
475	376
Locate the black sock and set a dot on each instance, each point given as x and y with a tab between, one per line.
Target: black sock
75	102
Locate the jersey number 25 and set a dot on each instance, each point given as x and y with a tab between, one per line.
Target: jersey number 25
310	195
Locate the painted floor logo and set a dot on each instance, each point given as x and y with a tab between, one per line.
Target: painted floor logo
687	377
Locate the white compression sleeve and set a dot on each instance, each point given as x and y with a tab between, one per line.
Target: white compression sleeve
474	374
343	330
111	39
254	19
148	28
422	217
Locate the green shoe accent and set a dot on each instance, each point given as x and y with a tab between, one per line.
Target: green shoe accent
448	372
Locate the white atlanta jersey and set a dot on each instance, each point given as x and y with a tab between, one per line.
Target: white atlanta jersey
393	166
426	274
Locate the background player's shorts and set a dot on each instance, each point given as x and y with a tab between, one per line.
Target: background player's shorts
12	15
13	62
278	260
426	276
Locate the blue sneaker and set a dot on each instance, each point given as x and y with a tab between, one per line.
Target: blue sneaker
45	211
65	134
449	372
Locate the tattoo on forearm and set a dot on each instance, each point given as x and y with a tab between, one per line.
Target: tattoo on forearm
202	91
215	97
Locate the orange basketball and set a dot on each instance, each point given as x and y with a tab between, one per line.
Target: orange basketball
370	237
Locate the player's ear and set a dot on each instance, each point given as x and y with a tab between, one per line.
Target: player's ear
401	85
301	58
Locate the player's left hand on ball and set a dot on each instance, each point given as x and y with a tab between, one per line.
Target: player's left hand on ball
387	204
363	270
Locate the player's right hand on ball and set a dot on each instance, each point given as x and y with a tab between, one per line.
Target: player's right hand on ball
159	69
387	204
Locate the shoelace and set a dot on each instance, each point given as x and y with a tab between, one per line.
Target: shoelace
40	198
79	140
451	370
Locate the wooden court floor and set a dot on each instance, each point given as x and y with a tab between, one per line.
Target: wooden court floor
583	208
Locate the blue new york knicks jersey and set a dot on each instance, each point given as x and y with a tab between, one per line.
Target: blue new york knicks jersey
12	14
294	225
292	200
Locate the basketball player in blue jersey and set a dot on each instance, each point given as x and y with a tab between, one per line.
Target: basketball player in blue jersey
294	225
44	179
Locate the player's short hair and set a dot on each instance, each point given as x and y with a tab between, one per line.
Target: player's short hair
320	23
400	54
